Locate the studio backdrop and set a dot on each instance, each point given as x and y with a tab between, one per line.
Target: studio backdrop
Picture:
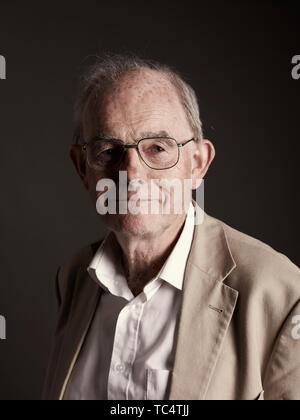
242	58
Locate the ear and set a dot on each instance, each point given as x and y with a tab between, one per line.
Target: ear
202	157
79	161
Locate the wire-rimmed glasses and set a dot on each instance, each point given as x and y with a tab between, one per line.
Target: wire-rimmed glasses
156	152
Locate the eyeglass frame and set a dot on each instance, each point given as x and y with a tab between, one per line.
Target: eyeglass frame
136	146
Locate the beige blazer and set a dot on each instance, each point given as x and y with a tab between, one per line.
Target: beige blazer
239	326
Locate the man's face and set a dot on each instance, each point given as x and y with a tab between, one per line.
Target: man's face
143	104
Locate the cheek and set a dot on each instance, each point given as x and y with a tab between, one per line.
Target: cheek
176	186
187	165
92	183
182	170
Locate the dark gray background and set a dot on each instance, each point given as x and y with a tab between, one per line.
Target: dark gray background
236	54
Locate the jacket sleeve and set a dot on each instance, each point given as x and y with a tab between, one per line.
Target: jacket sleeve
53	355
282	379
57	289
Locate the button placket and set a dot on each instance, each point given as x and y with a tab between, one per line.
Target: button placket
124	351
135	328
120	367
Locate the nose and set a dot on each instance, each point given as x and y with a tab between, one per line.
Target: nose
133	164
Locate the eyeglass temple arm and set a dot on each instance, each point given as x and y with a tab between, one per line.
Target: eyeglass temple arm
186	142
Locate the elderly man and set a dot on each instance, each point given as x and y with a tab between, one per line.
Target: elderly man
171	304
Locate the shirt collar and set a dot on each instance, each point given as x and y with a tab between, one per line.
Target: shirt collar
174	267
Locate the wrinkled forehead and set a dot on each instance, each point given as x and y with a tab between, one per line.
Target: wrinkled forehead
142	100
140	82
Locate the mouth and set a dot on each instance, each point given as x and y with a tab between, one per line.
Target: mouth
140	199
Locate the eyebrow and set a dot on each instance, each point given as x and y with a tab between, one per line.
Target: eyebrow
105	135
161	133
144	134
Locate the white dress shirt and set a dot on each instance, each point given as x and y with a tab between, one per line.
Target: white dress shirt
129	350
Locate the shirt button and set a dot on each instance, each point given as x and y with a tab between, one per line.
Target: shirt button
120	368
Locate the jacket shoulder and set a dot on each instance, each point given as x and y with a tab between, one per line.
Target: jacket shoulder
261	270
243	246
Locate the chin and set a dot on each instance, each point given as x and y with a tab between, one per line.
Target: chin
133	224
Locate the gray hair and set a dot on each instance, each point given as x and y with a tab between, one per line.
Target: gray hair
102	75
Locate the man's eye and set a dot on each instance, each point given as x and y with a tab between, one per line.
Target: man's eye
157	148
108	151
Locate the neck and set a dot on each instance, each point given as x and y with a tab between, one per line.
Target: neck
143	258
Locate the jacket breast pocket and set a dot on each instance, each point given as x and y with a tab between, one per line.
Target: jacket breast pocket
157	381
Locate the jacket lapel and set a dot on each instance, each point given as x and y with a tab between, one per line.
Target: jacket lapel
207	308
83	308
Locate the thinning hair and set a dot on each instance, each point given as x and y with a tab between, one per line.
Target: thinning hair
108	70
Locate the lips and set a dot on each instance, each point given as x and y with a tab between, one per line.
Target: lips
136	200
140	199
